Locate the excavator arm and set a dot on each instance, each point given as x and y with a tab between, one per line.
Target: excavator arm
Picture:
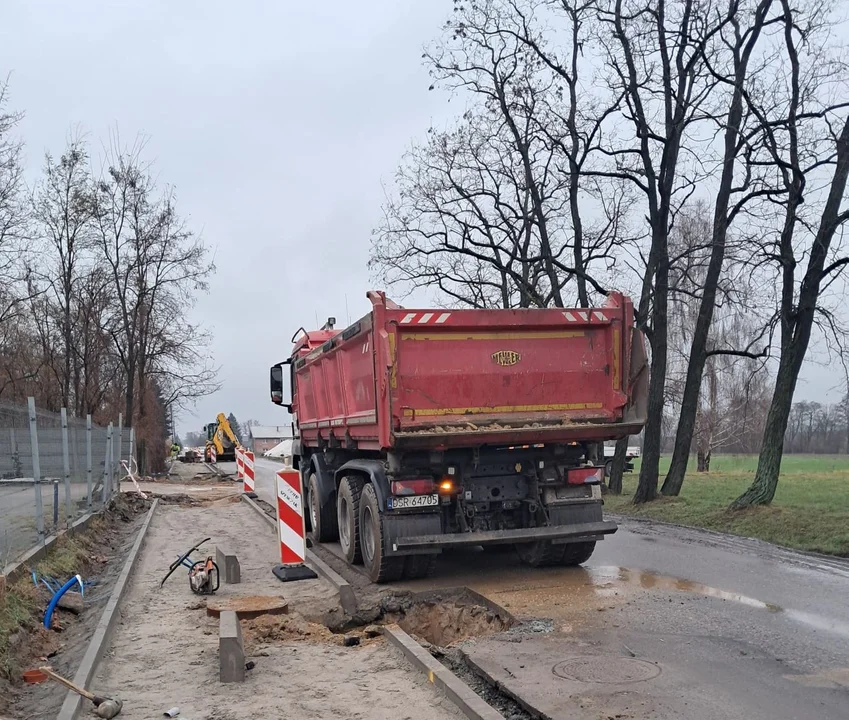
217	433
224	427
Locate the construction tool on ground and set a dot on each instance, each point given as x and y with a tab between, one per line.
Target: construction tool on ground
204	578
103	707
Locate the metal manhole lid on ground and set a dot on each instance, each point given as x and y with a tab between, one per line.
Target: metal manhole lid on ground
607	670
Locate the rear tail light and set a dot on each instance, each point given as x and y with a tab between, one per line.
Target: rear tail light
424	486
447	486
582	476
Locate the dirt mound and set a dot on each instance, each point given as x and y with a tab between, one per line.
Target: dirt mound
126	506
280	628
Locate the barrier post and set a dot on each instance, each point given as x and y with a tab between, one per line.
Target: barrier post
248	472
291	527
240	473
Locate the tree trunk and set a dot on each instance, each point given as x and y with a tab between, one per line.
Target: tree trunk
650	465
762	490
703	461
614	482
763	486
698	351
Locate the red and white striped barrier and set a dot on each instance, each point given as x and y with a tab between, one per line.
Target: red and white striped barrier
213	455
248	471
240	473
291	527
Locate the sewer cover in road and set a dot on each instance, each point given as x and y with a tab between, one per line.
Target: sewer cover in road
608	670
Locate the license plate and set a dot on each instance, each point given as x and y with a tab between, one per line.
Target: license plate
412	501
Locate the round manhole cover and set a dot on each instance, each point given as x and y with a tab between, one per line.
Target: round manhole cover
608	670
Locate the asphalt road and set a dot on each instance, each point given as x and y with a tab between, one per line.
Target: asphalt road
697	603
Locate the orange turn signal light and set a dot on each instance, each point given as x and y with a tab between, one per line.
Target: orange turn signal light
446	486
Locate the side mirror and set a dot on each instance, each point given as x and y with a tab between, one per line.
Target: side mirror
280	395
277	384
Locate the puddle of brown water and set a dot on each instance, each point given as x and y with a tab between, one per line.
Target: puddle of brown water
652	581
565	594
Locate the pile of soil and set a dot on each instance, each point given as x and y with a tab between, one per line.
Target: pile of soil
282	628
124	507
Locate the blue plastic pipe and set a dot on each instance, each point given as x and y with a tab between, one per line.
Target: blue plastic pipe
48	615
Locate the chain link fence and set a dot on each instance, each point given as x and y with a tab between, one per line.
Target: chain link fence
54	468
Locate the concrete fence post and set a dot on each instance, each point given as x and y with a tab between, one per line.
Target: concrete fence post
88	459
36	470
66	467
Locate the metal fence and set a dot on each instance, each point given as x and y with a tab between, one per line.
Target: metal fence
54	468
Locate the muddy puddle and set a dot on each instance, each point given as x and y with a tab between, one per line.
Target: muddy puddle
568	594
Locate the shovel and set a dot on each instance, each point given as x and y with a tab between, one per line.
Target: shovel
103	707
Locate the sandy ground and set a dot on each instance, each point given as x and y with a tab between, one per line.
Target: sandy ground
165	652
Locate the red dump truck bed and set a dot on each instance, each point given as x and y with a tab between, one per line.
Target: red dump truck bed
436	378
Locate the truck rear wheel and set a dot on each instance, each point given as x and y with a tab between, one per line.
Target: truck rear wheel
380	568
578	553
542	553
348	516
325	527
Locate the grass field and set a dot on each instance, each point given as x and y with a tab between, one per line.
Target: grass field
810	510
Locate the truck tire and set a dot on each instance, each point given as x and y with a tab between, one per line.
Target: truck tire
348	517
325	526
577	553
542	553
380	569
419	566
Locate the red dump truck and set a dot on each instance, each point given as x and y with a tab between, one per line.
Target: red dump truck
421	430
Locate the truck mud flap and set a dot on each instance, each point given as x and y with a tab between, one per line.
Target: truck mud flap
564	533
575	513
399	528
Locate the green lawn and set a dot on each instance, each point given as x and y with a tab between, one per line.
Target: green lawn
810	510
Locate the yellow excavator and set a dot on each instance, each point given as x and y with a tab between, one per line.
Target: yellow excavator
220	436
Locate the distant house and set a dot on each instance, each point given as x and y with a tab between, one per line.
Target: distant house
265	437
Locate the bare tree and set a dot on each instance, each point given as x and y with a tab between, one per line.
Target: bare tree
655	53
462	221
14	218
155	266
63	211
489	211
806	136
745	22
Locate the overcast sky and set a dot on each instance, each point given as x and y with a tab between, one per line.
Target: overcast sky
279	123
